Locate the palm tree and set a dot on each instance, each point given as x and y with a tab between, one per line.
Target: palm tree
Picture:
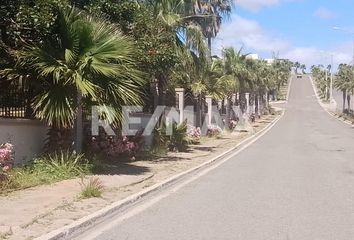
90	63
321	76
259	86
215	11
342	82
303	68
214	82
282	70
180	18
202	77
297	65
235	65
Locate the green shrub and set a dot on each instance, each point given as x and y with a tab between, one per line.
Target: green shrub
21	178
61	165
177	141
46	169
93	188
159	142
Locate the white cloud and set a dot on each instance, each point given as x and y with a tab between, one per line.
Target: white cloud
344	52
324	13
255	5
314	56
305	55
242	32
250	34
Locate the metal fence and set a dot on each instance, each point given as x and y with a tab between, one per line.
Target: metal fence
15	100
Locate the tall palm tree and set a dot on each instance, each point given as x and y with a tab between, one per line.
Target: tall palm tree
297	65
259	84
90	63
214	82
235	65
215	11
282	70
344	81
180	17
203	77
303	68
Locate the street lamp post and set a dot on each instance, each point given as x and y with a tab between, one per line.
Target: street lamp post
330	71
331	82
326	79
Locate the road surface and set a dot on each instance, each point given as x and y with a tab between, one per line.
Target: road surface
295	183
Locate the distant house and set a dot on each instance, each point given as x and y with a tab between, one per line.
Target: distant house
270	61
253	56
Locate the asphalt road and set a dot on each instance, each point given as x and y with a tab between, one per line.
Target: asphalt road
295	183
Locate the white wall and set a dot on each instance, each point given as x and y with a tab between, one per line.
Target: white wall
28	137
145	118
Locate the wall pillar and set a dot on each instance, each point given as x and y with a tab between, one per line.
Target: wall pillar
180	103
228	110
247	103
209	102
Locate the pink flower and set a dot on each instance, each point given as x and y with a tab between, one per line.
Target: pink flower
6	156
6	168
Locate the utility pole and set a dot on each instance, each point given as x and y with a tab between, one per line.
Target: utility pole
326	80
331	82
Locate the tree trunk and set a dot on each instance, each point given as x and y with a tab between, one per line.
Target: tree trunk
198	111
348	100
79	125
209	46
154	90
58	139
344	98
202	110
243	103
261	102
268	98
162	90
228	111
3	34
256	101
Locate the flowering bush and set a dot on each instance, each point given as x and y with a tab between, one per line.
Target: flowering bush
253	117
6	156
214	131
115	146
194	134
233	123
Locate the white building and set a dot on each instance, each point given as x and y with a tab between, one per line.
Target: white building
253	56
269	60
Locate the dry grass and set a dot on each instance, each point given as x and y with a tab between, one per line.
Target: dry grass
92	188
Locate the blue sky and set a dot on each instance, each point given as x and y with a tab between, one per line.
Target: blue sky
301	30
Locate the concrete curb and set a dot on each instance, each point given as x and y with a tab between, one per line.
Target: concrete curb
324	108
79	226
